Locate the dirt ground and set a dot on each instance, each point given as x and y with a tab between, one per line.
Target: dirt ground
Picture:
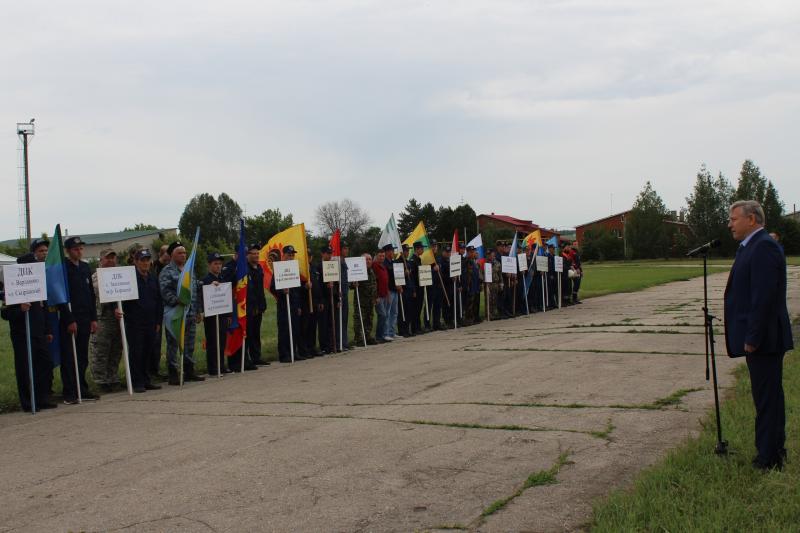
421	434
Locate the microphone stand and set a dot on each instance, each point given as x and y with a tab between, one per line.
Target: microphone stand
721	447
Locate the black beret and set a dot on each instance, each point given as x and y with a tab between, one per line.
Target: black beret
388	248
173	245
419	244
406	247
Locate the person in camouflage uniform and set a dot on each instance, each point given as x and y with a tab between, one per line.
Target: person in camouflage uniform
168	283
367	292
105	346
496	288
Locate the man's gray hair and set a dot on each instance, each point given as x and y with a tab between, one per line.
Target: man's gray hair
750	207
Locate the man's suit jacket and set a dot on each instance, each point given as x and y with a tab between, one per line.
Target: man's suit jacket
755	299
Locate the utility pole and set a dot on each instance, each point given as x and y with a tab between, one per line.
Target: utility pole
25	130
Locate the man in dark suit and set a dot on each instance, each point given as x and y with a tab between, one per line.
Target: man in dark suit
757	325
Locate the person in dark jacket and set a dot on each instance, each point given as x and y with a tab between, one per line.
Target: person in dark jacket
295	307
326	296
256	306
757	326
215	337
143	318
40	337
78	321
409	296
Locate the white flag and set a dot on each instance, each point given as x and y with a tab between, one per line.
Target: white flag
390	235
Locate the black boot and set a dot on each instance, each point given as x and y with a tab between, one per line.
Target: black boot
173	376
188	373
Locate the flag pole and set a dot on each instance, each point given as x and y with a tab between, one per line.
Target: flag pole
559	290
486	299
219	360
289	313
244	344
361	317
544	303
125	354
425	302
525	286
514	296
333	319
30	361
455	311
182	341
75	359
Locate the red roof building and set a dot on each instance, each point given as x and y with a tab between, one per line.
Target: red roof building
519	225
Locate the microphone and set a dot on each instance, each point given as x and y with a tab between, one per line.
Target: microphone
705	248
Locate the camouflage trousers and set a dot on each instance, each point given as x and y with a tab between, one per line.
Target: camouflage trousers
188	352
367	310
105	351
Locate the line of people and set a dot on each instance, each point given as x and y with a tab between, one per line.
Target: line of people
393	304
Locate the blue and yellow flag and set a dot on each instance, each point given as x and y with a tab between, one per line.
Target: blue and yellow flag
175	320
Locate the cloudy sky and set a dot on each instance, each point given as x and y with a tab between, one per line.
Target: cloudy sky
537	109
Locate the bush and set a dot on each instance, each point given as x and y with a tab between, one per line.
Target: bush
599	244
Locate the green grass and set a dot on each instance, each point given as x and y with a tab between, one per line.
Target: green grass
618	276
793	260
693	489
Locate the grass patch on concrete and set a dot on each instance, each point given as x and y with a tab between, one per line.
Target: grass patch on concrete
537	479
692	489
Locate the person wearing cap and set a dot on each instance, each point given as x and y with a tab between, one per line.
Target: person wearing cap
40	336
577	267
256	306
215	337
168	284
418	300
315	307
443	319
408	293
367	294
494	283
326	331
105	346
78	321
472	287
394	293
295	307
143	318
552	289
344	299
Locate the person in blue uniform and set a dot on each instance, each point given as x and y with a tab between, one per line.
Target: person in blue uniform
214	337
409	296
78	320
40	337
446	288
143	318
256	306
295	307
326	298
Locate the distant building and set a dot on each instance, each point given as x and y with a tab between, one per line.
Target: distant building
7	260
119	241
615	224
522	227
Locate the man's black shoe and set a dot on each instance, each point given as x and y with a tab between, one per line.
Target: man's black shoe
46	405
300	358
139	389
193	377
758	464
285	360
150	386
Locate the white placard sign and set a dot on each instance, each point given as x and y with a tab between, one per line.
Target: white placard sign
356	269
117	284
425	276
331	271
523	262
25	283
509	264
399	274
287	274
487	272
559	264
455	265
541	263
217	299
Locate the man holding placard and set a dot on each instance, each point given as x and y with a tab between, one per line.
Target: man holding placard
472	288
395	268
215	327
143	318
288	329
78	322
326	304
408	296
417	299
40	336
443	263
105	347
365	295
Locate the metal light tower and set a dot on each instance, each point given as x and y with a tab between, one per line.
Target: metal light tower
25	130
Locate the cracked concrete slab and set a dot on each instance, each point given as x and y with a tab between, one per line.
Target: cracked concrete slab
411	436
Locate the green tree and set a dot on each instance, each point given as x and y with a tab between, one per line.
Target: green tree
226	219
752	184
645	230
261	228
218	219
141	226
707	215
409	217
773	208
449	219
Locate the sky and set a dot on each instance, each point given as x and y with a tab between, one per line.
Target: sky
555	111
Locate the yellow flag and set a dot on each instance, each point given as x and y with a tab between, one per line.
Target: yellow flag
273	250
419	234
534	237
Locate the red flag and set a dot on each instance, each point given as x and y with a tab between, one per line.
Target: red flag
454	248
336	243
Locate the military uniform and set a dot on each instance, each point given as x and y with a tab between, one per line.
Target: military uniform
495	290
82	311
105	346
411	295
367	293
168	285
256	306
143	318
472	292
446	288
214	336
343	310
326	300
308	320
42	364
295	307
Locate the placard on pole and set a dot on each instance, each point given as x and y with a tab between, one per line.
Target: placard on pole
287	276
217	300
357	271
118	284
